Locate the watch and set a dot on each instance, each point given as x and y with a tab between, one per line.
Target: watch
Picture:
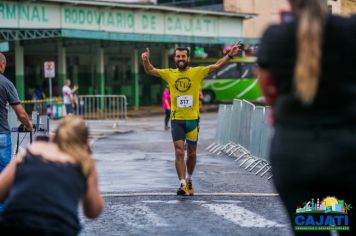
230	56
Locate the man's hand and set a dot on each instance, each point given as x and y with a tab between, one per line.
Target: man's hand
23	128
146	55
147	65
235	49
30	128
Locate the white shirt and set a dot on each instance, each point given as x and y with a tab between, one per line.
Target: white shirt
67	94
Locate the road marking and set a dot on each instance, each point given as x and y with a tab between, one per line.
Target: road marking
196	194
139	216
160	201
241	216
196	201
227	201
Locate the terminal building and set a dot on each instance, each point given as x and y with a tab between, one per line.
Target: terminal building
98	44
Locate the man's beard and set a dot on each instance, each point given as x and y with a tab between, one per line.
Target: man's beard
182	65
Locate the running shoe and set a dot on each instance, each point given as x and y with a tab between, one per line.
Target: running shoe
190	188
183	190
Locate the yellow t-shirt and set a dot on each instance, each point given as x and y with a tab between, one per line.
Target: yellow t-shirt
184	88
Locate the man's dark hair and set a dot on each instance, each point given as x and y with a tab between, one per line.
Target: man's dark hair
182	49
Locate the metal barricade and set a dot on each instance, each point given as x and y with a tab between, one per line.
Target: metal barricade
256	131
222	133
95	107
243	133
266	135
245	124
236	121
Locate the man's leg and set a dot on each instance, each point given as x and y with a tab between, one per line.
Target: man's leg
192	158
180	165
178	135
5	150
192	141
69	108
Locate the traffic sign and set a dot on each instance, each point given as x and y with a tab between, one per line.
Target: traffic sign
49	69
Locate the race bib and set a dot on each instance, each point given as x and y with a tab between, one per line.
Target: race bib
185	101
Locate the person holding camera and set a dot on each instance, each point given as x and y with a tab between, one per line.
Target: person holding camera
8	95
307	73
42	186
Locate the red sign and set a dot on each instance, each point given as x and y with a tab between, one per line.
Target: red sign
49	69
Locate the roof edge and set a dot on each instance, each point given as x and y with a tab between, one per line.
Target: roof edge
153	7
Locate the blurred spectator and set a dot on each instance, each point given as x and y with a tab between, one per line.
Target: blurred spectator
42	187
307	72
38	93
166	105
68	98
8	95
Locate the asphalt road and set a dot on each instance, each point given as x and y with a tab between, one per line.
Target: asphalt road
138	180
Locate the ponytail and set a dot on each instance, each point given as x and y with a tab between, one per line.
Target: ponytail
311	15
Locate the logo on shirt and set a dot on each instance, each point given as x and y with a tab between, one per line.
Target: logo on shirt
183	84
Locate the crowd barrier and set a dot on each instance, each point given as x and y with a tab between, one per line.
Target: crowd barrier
90	107
97	107
243	133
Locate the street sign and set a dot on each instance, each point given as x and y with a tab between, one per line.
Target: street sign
49	69
49	72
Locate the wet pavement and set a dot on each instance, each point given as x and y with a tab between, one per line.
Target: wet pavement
138	180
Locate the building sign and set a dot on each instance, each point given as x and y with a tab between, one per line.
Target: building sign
104	19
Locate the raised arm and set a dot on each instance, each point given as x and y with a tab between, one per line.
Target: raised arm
220	63
149	68
75	89
7	177
93	202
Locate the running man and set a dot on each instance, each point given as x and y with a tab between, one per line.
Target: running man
184	84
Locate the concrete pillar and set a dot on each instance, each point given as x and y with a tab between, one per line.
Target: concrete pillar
135	77
75	74
19	70
100	70
165	64
62	66
38	75
165	58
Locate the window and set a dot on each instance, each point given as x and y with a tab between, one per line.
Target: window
227	72
246	70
